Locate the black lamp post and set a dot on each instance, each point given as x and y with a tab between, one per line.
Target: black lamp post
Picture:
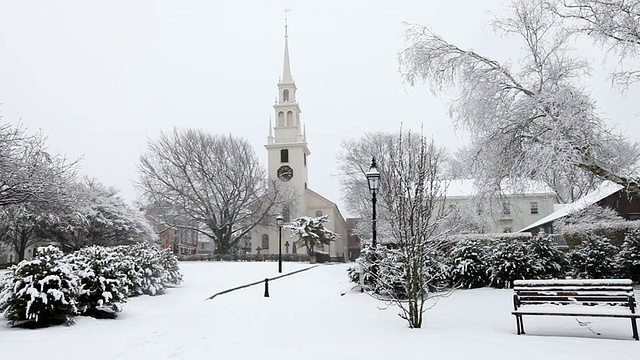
279	221
373	179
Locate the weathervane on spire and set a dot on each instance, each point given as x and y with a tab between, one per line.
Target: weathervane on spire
286	10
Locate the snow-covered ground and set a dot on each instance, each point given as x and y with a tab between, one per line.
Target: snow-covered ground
306	317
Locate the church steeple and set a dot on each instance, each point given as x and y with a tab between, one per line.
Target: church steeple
288	127
286	71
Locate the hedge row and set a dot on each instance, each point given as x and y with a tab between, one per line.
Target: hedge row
94	281
479	262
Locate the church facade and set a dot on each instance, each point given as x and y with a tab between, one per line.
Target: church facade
288	164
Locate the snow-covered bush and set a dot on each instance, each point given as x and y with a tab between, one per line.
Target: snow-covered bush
629	256
468	263
509	261
594	258
170	263
385	271
102	286
40	292
548	261
142	264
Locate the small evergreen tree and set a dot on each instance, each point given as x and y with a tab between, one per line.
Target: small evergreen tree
310	232
594	258
629	256
468	264
102	287
40	292
170	263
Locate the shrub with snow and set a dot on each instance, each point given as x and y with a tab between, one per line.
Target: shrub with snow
548	261
142	264
468	263
509	261
102	286
629	256
170	263
40	292
594	258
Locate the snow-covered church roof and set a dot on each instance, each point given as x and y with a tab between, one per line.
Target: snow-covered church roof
605	189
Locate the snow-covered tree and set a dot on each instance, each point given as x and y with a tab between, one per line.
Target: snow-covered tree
215	181
590	215
413	195
549	262
528	116
96	215
27	171
19	226
101	286
310	232
613	24
40	292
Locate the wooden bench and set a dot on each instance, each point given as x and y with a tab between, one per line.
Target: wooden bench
578	298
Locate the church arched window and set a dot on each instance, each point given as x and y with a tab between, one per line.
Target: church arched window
265	241
281	118
284	155
285	96
286	214
290	118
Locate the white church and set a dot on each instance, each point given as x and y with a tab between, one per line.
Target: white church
288	161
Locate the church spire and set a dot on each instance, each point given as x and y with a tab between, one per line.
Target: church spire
286	72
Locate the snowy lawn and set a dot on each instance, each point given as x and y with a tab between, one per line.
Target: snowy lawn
307	318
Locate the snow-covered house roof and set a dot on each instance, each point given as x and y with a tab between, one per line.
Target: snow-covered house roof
605	189
463	188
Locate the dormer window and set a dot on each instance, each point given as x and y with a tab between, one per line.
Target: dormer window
285	96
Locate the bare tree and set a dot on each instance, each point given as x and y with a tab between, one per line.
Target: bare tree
216	181
527	120
413	191
613	24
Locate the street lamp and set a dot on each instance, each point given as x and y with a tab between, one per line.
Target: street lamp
279	221
373	179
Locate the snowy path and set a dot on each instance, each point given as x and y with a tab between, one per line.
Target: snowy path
307	318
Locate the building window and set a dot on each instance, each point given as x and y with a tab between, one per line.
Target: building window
265	242
506	230
506	210
284	155
305	159
285	96
634	216
318	213
534	207
289	118
281	119
286	214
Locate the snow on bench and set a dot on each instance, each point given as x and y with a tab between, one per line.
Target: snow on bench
569	297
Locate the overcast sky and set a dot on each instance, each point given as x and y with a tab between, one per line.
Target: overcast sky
101	78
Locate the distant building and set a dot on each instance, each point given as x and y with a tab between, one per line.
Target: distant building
288	161
510	212
608	194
